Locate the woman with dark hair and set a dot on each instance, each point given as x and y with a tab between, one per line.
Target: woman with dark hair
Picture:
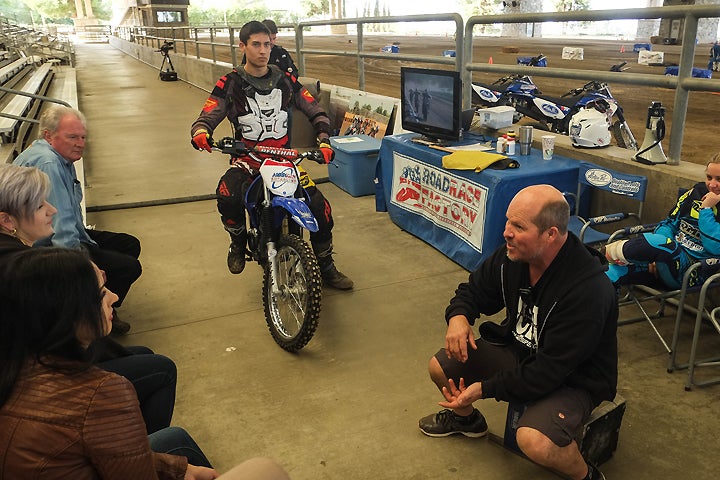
60	416
26	217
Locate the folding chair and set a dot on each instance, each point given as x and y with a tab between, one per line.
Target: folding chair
592	176
692	282
632	187
702	312
639	294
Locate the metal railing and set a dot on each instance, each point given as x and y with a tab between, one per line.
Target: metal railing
36	42
682	84
221	39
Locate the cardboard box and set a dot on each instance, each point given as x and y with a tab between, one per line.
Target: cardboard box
496	117
353	169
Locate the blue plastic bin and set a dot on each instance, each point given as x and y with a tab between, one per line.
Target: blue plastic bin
696	72
353	169
642	46
527	60
449	53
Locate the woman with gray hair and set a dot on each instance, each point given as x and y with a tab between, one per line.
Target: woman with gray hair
25	214
26	217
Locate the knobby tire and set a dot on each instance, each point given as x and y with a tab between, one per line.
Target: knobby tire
292	314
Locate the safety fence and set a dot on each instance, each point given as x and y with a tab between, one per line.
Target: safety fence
222	42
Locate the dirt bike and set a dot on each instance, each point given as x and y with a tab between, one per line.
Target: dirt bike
556	113
509	90
277	207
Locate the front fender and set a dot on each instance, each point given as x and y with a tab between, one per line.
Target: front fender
298	210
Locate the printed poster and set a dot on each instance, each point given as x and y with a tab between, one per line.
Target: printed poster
366	115
451	202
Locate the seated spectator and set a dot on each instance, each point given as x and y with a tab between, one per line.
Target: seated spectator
61	417
61	144
690	233
26	217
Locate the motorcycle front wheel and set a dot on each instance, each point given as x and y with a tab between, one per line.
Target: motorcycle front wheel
292	309
623	136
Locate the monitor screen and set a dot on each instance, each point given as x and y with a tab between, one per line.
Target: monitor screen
431	102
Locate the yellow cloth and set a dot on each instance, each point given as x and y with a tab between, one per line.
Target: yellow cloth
471	160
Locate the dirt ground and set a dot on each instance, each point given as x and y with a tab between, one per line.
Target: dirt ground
383	76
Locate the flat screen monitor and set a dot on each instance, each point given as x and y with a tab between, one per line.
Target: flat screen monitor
431	102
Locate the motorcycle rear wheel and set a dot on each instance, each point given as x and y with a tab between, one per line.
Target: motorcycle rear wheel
292	312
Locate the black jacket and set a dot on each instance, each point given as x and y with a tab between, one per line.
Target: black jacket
102	349
9	245
577	323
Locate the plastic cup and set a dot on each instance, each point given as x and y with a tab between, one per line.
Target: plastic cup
548	146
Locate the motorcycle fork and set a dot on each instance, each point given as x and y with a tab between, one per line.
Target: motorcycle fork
268	240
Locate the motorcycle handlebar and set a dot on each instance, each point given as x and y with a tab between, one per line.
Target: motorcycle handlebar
591	85
507	78
238	148
535	60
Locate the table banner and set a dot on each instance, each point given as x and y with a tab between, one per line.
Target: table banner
449	201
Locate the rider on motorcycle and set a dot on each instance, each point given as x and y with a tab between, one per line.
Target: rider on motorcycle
256	99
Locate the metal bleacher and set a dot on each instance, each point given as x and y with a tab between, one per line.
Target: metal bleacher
28	81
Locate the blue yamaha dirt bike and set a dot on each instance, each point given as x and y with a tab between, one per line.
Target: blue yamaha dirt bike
555	113
514	89
277	207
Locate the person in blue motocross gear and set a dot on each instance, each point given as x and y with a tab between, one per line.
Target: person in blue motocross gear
690	233
256	98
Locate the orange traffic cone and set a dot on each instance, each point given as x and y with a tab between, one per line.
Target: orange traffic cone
622	48
490	61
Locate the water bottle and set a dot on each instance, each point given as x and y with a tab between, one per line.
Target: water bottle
510	145
500	148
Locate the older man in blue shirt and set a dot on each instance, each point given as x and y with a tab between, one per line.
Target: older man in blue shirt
61	143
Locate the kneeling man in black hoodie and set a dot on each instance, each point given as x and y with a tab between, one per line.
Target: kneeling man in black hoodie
555	352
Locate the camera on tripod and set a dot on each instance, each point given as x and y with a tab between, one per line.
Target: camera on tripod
165	48
169	74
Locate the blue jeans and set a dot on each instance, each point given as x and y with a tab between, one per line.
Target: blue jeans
176	441
154	378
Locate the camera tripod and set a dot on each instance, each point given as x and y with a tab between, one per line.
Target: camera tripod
169	75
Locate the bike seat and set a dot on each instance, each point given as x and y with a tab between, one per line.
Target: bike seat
500	87
564	101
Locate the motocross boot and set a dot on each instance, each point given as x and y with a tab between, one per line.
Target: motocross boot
330	274
236	252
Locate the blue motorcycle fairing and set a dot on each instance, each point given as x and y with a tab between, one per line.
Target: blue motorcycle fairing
298	210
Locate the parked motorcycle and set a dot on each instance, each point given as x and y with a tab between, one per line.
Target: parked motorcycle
277	207
553	113
511	90
556	113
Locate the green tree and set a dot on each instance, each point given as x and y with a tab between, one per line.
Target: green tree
316	7
15	12
53	11
232	15
572	5
472	8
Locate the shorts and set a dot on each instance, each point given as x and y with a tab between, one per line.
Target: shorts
560	416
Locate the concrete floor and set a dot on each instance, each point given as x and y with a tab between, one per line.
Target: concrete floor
347	405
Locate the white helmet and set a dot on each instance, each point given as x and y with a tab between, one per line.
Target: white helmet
590	127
